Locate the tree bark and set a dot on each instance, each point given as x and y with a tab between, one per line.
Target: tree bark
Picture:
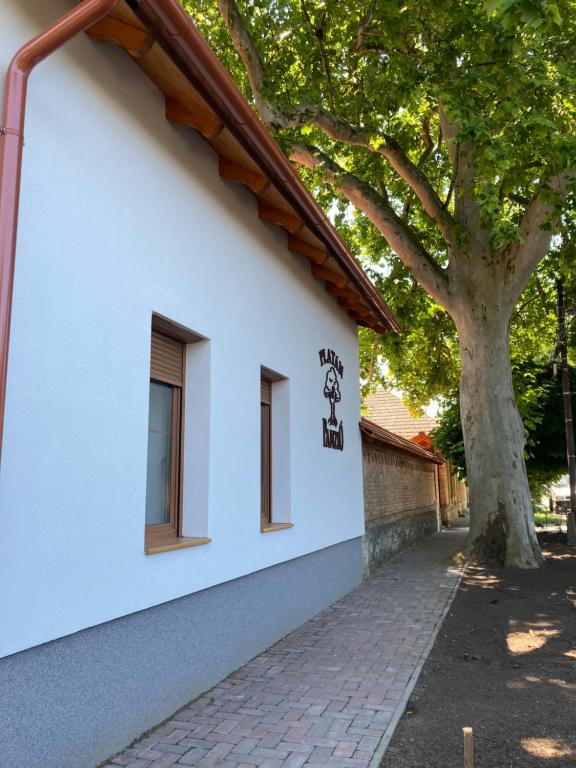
501	520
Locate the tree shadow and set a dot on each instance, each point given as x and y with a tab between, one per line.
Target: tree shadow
504	663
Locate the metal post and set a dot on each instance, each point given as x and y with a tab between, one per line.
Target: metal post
468	748
570	452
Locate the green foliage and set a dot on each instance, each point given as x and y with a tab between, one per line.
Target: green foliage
545	517
539	400
502	69
423	361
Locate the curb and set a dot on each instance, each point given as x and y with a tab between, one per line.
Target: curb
403	702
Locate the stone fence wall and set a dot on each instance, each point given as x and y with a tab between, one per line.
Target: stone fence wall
453	494
401	495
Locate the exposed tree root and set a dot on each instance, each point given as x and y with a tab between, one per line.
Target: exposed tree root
491	546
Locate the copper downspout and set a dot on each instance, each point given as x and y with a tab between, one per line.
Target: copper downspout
11	142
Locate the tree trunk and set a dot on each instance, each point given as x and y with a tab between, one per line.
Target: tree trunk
501	519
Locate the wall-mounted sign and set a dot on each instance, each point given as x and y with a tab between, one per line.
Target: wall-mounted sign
332	429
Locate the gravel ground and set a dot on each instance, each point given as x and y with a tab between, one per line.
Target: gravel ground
505	664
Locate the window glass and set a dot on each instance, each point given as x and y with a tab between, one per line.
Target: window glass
265	505
159	454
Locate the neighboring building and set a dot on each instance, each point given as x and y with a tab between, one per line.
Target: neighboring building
453	494
557	496
401	493
181	477
559	491
388	411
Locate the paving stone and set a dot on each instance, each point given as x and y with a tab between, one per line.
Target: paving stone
165	761
176	736
325	694
294	761
321	755
246	746
219	751
149	754
201	743
269	753
270	740
192	757
346	749
175	749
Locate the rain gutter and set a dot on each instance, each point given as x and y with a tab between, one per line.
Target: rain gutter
174	30
32	53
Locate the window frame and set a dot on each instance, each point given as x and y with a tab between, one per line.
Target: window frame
157	535
275	510
265	452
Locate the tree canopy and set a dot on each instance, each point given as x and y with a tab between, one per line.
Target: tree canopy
441	138
350	77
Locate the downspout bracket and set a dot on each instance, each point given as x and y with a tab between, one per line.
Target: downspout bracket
11	132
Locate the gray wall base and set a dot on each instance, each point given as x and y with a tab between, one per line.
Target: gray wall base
75	701
382	542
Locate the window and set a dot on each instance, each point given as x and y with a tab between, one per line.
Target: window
163	481
265	453
177	480
275	483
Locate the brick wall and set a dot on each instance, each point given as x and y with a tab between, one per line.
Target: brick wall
400	504
453	494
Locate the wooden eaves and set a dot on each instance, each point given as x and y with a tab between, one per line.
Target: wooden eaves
200	94
377	434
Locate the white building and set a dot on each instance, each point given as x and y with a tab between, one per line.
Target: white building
173	496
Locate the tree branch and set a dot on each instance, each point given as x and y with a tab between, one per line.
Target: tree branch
362	30
452	178
427	139
540	290
520	199
537	226
466	209
340	130
247	51
333	126
397	234
318	33
419	184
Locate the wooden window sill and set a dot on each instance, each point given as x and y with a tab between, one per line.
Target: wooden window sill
181	543
276	527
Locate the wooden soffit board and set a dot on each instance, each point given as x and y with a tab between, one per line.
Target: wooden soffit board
156	55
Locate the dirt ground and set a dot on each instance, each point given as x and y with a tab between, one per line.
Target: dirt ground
505	664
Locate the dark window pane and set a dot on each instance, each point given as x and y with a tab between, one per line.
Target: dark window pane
265	508
159	454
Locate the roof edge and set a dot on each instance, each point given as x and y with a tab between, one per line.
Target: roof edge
176	31
378	434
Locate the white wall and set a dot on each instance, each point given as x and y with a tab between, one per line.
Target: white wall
122	215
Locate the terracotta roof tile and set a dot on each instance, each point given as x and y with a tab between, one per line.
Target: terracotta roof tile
388	411
374	432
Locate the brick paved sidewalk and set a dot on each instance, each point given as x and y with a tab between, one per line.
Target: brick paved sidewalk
330	692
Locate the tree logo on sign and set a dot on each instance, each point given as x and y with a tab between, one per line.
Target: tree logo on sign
332	429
